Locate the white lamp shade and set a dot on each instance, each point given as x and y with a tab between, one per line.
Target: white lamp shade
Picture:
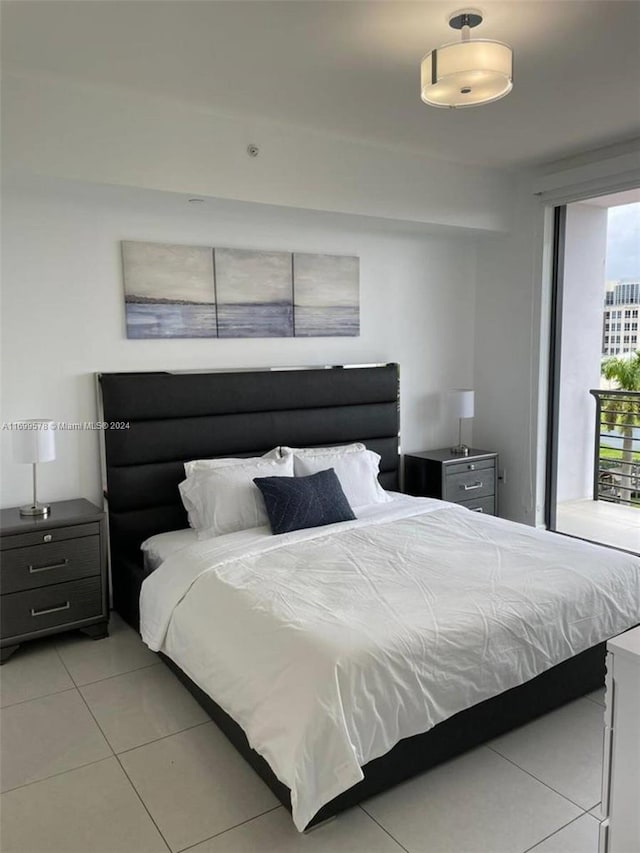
34	441
466	73
462	402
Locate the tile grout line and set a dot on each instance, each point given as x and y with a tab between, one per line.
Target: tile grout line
79	687
36	698
60	773
142	802
229	829
119	674
71	769
564	796
106	740
117	755
64	666
114	755
56	648
555	832
74	683
162	737
377	823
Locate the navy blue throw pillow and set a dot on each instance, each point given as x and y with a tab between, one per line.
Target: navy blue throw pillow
294	503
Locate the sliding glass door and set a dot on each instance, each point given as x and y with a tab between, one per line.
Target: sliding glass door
593	462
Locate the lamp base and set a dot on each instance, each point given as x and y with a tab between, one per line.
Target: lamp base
36	510
460	450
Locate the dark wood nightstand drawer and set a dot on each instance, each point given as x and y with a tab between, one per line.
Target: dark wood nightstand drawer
470	485
469	465
25	613
53	573
486	505
468	480
48	535
41	565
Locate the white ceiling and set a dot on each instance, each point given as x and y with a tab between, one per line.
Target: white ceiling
352	68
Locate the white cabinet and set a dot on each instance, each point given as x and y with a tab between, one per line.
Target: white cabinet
620	827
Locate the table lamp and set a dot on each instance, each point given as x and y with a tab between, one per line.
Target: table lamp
33	442
462	405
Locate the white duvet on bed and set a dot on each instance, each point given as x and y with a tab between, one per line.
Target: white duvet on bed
330	645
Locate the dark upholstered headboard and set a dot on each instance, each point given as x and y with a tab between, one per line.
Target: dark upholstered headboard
175	417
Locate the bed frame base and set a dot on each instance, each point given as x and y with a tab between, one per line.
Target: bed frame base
175	417
562	683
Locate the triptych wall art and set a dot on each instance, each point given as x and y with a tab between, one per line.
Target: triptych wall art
204	292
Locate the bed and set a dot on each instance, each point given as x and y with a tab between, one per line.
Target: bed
165	419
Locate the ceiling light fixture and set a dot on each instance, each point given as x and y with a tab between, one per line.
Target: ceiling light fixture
469	72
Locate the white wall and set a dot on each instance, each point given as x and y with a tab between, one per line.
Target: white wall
85	133
63	315
507	329
583	295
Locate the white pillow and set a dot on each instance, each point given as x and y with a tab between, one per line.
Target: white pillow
225	499
221	462
306	451
357	471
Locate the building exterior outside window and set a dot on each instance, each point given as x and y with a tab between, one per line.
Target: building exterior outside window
624	295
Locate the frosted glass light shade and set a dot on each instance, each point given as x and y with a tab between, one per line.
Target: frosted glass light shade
467	73
462	402
34	441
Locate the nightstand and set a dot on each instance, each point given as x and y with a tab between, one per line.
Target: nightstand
53	574
470	481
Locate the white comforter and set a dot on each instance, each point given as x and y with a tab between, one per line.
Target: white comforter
330	645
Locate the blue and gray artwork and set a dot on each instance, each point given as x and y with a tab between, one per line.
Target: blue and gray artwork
200	292
169	291
254	293
327	295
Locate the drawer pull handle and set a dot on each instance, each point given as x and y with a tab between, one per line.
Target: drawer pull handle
44	612
477	509
33	570
469	487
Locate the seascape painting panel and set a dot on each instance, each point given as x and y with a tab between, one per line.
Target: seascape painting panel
254	294
169	291
326	295
176	291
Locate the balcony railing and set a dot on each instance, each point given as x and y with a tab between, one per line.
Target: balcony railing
616	463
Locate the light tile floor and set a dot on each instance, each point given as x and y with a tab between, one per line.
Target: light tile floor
600	521
104	751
